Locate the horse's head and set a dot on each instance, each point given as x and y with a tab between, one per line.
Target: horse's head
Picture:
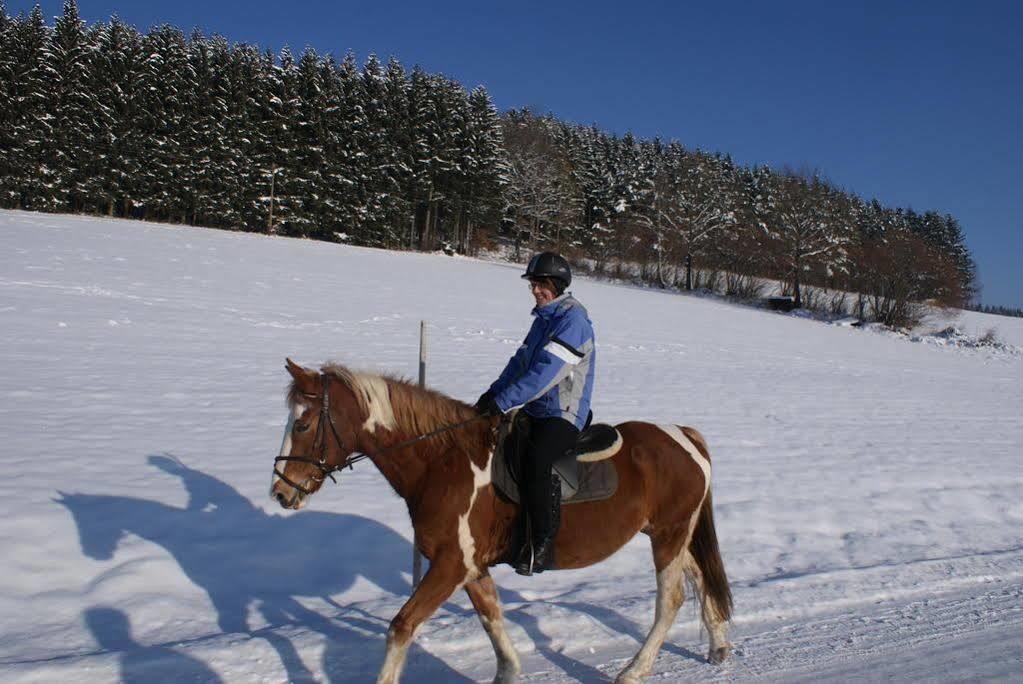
100	521
321	434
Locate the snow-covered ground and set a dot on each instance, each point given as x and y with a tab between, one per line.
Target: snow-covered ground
868	489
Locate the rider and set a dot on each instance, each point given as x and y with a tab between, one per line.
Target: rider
551	378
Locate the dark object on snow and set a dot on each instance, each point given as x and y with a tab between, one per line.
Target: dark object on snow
781	303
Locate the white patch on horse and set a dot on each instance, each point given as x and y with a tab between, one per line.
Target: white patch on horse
480	479
508	666
669	599
676	434
376	398
296	413
394	661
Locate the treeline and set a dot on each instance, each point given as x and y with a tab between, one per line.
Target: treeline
997	310
160	126
688	218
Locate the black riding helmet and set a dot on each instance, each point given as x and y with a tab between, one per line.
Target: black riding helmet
549	265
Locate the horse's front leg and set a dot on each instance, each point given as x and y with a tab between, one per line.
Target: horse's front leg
483	594
437	585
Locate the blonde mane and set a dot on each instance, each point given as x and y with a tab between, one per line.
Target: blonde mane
396	405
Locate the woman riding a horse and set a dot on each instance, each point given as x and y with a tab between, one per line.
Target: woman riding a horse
437	455
551	378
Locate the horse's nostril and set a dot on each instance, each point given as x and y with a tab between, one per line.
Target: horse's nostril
280	499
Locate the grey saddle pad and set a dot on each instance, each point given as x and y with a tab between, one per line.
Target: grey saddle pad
579	481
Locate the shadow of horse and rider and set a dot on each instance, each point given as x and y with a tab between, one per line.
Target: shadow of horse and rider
244	558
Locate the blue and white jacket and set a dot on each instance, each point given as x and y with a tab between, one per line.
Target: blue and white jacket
552	372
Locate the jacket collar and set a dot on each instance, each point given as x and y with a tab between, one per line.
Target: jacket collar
550	308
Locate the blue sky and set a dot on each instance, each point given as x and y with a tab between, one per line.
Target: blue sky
916	103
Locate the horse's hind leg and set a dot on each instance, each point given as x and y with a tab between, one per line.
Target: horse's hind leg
483	594
668	561
720	648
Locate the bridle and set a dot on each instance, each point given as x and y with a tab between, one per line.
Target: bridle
326	470
353	457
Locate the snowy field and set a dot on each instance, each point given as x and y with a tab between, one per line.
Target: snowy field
868	489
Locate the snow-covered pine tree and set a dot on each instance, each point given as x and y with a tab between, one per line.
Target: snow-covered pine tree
956	248
444	130
456	181
249	135
350	161
593	174
634	173
397	160
335	183
116	72
944	233
422	131
92	189
380	156
68	145
206	140
166	87
274	152
307	191
32	123
485	168
9	193
571	224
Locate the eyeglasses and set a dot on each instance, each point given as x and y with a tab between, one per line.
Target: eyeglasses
533	285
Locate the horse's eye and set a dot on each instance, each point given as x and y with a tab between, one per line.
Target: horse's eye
301	427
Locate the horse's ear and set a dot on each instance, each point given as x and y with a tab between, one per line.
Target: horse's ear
305	379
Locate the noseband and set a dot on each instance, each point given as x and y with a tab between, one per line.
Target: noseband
326	470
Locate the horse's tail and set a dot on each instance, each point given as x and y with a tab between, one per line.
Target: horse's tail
704	548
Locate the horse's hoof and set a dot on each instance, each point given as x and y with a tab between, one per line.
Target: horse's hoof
626	677
509	676
720	654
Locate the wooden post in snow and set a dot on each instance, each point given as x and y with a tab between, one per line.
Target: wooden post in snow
417	558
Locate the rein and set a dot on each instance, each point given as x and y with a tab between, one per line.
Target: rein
353	457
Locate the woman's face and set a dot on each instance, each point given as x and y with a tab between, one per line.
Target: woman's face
542	292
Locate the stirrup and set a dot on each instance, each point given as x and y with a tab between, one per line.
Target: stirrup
543	556
538	558
524	563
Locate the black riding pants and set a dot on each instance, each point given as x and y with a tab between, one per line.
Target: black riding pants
549	438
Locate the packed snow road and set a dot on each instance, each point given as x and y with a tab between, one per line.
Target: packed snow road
868	489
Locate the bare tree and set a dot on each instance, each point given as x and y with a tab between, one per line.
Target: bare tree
540	189
809	222
691	198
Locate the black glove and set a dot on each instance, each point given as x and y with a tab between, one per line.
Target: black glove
486	406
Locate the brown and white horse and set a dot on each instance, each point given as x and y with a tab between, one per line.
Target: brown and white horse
463	526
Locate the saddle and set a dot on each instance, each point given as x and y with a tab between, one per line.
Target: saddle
586	471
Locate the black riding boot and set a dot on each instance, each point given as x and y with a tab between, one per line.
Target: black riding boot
549	439
537	554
